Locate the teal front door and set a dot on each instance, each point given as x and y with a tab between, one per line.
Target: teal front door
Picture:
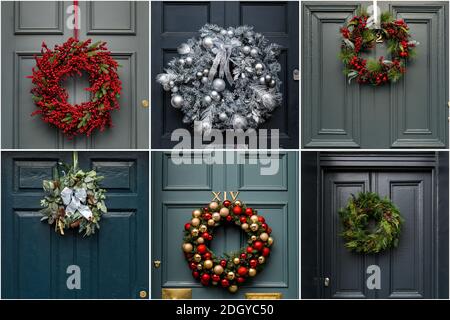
37	262
179	189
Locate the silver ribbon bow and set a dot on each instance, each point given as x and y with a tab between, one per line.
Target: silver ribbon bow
74	200
222	60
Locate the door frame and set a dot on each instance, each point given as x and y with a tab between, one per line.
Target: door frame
435	162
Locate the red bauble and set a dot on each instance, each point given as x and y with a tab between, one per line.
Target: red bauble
195	274
193	265
201	249
187	226
264	226
258	245
242	271
243	256
237	210
206	277
249	211
227	203
243	219
223	263
249	250
207	256
205	235
266	252
207	216
253	263
225	283
240	280
269	230
229	218
205	209
209	237
215	277
261	219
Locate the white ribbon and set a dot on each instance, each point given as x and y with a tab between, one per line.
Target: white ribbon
74	200
222	60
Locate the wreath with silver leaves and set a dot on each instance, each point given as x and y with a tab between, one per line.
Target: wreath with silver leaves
226	79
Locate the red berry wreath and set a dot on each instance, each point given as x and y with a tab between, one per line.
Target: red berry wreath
360	35
233	269
67	60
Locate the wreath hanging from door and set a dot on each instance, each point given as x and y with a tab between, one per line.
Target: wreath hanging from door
225	79
67	60
360	35
356	218
232	269
74	200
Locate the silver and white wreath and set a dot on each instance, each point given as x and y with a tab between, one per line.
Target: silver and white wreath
226	78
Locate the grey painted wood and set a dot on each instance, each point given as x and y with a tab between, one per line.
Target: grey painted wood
179	189
114	262
175	22
25	25
410	113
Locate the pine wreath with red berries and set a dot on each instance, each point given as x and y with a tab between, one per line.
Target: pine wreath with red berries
232	269
360	35
67	60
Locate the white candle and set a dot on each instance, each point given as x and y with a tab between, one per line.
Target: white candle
375	11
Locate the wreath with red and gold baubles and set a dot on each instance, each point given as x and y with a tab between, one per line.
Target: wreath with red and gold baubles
232	269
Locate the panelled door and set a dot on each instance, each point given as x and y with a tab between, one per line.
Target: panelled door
26	24
407	271
179	189
113	263
410	113
175	22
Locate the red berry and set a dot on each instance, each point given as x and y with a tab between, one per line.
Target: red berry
237	210
227	203
187	226
242	271
261	219
243	256
224	283
243	219
223	263
253	263
258	245
195	274
249	211
229	218
201	249
266	252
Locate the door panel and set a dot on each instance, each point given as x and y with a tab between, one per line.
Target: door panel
113	262
406	271
175	22
25	25
189	186
410	113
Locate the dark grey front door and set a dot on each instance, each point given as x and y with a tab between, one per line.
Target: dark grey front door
406	271
175	22
410	113
26	24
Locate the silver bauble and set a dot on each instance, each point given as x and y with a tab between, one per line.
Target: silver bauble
189	61
166	87
259	72
218	85
199	75
262	80
206	127
215	95
181	62
255	78
184	48
246	49
272	84
254	52
171	84
223	32
243	76
176	101
268	78
230	33
175	89
204	80
223	116
207	100
239	122
268	100
205	72
259	66
208	42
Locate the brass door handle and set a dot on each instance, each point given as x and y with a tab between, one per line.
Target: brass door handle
144	103
157	263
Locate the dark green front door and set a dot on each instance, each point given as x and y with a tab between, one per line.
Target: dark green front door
179	189
113	263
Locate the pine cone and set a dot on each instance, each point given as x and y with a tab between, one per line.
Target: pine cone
75	224
62	212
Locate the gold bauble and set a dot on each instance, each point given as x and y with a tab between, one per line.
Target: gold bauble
213	205
252	272
211	222
195	222
216	216
238	203
244	226
208	264
236	260
261	260
270	241
203	228
230	275
196	213
199	267
197	257
187	247
264	236
224	212
253	227
254	218
194	232
253	238
200	240
233	288
218	270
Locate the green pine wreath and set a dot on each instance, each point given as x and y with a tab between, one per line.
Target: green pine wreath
356	220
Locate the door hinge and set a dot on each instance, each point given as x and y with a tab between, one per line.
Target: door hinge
296	74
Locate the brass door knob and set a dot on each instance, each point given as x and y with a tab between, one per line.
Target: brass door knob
157	263
144	103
